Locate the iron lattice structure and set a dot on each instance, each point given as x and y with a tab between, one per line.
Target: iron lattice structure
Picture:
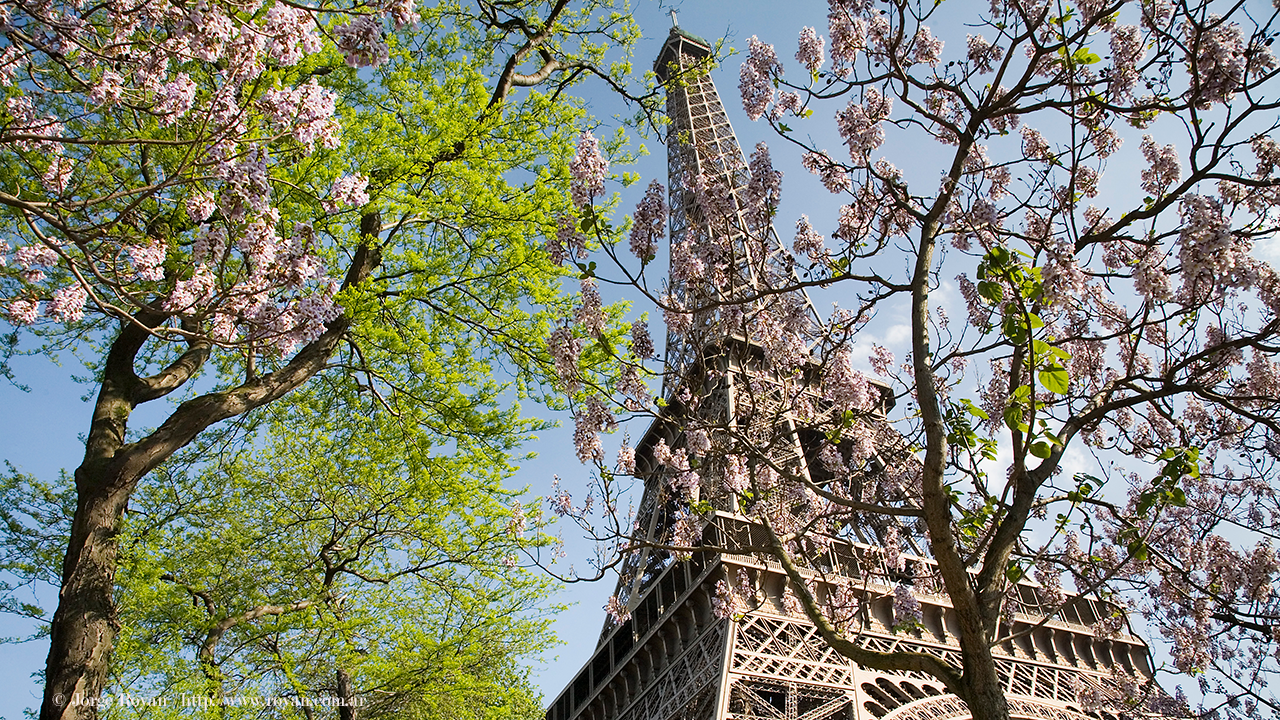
673	657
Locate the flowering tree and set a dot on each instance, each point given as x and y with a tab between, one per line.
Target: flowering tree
217	202
1131	332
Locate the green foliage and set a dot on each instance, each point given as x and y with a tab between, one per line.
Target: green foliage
385	556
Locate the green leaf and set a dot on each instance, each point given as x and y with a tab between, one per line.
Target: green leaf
1041	449
1084	56
1055	379
974	410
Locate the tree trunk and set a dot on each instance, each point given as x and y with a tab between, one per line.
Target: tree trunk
346	698
84	626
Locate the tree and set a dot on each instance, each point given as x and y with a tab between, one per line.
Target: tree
218	203
322	558
1132	331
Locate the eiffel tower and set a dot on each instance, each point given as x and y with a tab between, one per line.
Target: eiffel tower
673	653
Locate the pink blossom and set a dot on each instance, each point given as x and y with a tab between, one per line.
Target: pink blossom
1220	61
736	477
24	312
907	612
982	53
362	43
641	342
148	260
190	292
307	110
860	124
590	420
348	191
560	501
175	98
1127	51
755	79
590	314
1034	146
68	303
926	48
30	256
1150	279
725	603
1210	253
293	34
108	90
1267	151
847	389
677	320
200	206
616	610
260	243
403	13
810	52
763	190
564	349
627	459
647	224
1106	141
588	170
58	176
834	177
882	360
1163	169
808	241
848	37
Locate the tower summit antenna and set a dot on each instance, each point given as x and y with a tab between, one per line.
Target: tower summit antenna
673	19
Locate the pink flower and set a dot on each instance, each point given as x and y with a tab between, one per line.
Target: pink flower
846	388
927	49
755	79
764	190
30	256
627	459
68	303
616	610
834	177
200	206
58	176
588	170
564	349
907	613
24	312
647	224
859	125
175	98
308	110
148	260
590	420
590	314
348	191
641	342
810	52
983	54
293	34
361	42
808	241
403	13
1163	170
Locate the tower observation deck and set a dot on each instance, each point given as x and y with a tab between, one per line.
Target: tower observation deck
674	654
